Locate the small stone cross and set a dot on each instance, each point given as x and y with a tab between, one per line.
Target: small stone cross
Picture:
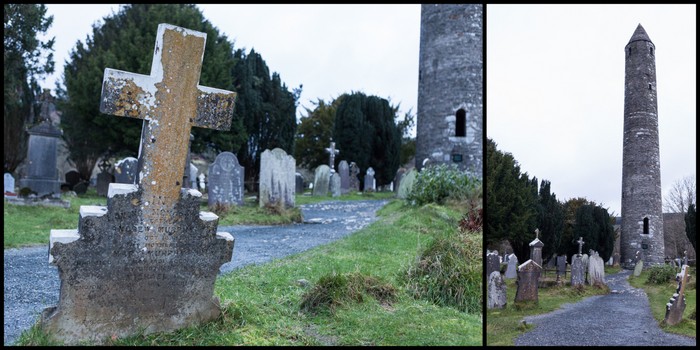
537	233
580	245
170	101
332	152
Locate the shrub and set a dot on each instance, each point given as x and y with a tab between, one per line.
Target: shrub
335	290
437	183
660	274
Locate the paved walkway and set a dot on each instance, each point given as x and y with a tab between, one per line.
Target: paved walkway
622	317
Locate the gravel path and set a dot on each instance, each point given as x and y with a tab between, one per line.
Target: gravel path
31	284
622	317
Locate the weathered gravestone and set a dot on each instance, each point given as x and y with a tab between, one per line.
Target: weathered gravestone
638	267
397	179
528	274
148	261
9	184
552	262
496	298
344	173
561	267
332	151
335	184
512	269
406	184
42	174
125	170
492	262
369	180
676	305
193	176
225	181
299	183
277	183
536	249
104	178
202	181
578	273
354	177
322	177
584	259
596	269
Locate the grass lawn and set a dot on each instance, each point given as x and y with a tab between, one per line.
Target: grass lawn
262	303
659	295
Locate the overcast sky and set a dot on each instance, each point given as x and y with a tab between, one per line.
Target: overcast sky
329	49
555	92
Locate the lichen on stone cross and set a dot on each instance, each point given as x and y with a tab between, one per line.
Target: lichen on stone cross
580	245
170	101
332	152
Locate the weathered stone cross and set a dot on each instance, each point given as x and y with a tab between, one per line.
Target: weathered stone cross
333	152
580	245
170	102
537	233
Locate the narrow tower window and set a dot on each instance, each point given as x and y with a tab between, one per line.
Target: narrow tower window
629	51
461	123
646	226
651	51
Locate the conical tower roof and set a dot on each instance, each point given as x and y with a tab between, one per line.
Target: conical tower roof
639	35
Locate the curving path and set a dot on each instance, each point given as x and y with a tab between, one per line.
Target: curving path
31	284
620	318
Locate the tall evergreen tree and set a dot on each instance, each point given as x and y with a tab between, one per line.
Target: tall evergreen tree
366	132
314	134
24	64
125	41
594	224
550	220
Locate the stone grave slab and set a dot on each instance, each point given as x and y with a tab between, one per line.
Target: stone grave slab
225	181
277	184
322	177
528	275
496	298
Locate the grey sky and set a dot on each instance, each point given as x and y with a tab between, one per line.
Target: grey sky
555	92
330	49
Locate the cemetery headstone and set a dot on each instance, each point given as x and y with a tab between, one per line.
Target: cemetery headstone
492	263
676	305
9	184
528	275
332	151
277	185
104	178
496	298
299	183
596	270
344	173
148	261
578	273
225	181
125	170
584	259
536	249
512	269
406	184
81	187
397	179
202	181
335	184
552	262
561	265
322	177
369	180
354	177
193	176
638	267
42	174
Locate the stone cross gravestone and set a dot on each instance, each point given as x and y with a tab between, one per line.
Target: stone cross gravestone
528	274
104	178
335	184
9	184
42	174
578	272
676	305
148	261
512	269
225	181
322	177
332	151
344	173
536	249
369	180
496	298
492	263
125	170
277	185
354	177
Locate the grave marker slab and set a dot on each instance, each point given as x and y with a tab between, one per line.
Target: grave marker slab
578	273
496	298
322	177
225	181
354	177
676	305
335	184
492	263
536	249
369	180
148	261
299	183
9	184
528	274
344	173
277	184
512	269
596	269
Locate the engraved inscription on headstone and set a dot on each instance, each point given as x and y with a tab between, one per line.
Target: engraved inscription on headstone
528	274
148	261
277	185
578	272
225	181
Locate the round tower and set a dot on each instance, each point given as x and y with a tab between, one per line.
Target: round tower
449	120
642	215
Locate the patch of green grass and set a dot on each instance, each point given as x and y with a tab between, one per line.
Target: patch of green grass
337	290
659	294
504	325
262	303
352	196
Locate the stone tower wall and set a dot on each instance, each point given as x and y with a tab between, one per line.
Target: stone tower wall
450	79
641	179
